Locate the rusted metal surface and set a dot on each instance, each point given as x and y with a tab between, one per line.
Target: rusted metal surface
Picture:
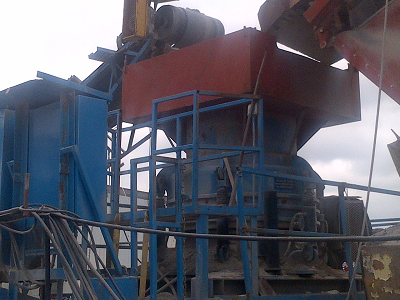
324	16
363	47
381	271
230	64
320	10
298	26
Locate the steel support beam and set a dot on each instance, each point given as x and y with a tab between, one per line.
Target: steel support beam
75	86
96	211
201	282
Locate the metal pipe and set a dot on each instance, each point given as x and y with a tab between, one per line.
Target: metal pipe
153	205
179	216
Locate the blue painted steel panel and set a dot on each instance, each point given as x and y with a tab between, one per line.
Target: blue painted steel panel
91	139
7	123
44	154
338	296
20	164
201	288
127	285
3	293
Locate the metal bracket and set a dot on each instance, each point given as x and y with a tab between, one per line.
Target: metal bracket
75	86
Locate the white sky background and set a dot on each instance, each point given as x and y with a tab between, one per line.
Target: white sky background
56	37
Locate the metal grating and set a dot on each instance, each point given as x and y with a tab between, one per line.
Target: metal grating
129	20
355	216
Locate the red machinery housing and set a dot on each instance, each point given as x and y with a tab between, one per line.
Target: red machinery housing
230	64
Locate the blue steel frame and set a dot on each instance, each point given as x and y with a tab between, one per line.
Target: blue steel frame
244	213
67	117
70	150
384	222
20	167
115	152
110	64
201	282
342	186
70	157
115	78
113	160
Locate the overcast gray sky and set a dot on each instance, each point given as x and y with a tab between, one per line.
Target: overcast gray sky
56	37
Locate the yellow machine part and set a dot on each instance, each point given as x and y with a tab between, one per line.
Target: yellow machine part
142	12
137	20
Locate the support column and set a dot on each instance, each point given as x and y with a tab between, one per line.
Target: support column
201	283
345	228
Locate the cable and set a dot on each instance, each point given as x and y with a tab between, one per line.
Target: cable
88	262
60	234
21	232
89	242
98	259
26	286
9	211
82	260
76	260
162	276
378	107
291	225
67	269
349	238
72	276
17	259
